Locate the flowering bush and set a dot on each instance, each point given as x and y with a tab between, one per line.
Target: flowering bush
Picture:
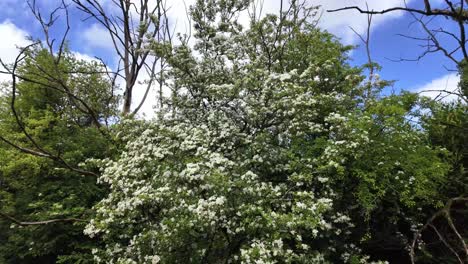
213	192
270	156
218	190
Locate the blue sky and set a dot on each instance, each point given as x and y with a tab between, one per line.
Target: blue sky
89	39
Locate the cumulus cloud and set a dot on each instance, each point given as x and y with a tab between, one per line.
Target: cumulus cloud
96	36
13	37
440	88
338	23
84	57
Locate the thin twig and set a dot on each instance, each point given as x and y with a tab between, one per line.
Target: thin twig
45	222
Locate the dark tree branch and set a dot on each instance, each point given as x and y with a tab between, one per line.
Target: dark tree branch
40	152
455	12
148	86
444	241
446	92
366	41
445	213
45	222
129	35
427	12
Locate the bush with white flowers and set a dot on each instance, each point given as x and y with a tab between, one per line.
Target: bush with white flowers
270	156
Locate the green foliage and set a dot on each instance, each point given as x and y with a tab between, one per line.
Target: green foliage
270	149
269	155
36	188
446	124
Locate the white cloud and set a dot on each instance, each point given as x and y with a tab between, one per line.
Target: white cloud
84	57
88	58
139	90
435	88
96	36
178	15
13	37
339	23
336	23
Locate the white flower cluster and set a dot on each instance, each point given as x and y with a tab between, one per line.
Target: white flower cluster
182	189
249	166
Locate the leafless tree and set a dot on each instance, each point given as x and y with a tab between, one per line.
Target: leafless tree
131	29
454	11
365	39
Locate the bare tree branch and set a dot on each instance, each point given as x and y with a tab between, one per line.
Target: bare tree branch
45	222
427	12
444	241
12	71
453	11
129	36
366	41
444	212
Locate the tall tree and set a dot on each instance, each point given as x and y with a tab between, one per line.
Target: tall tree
44	204
131	27
269	155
